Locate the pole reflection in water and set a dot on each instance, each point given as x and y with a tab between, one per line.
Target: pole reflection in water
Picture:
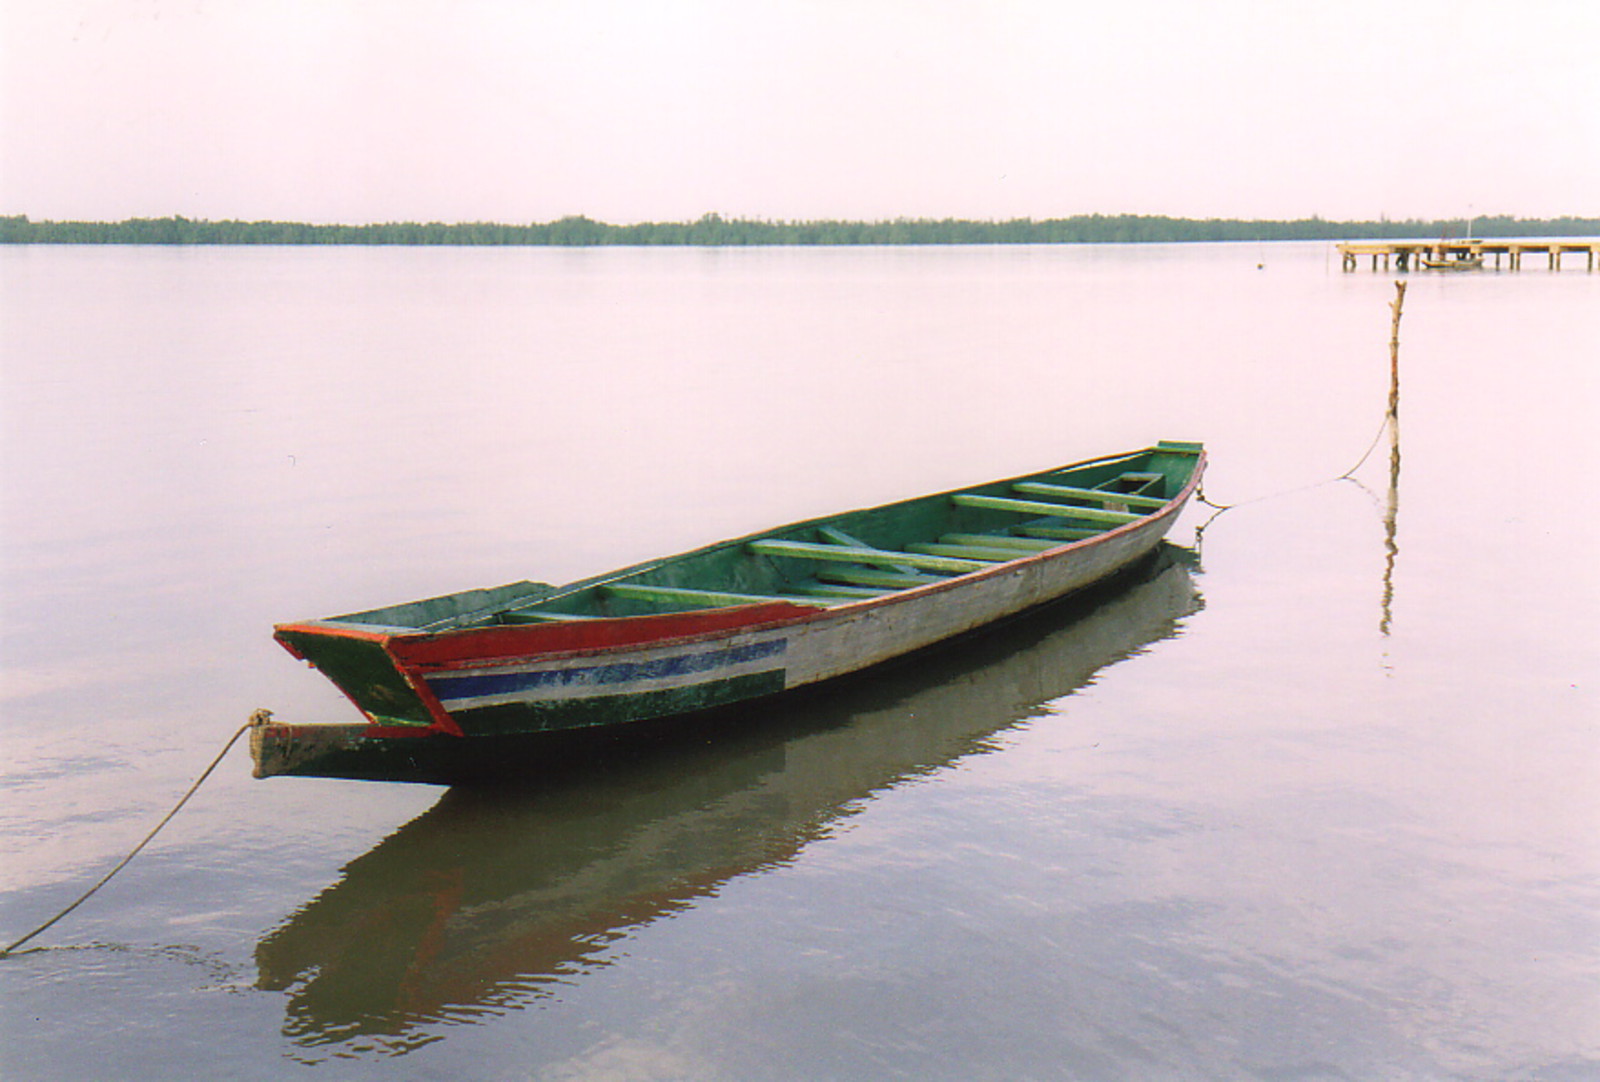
493	898
1391	509
1391	514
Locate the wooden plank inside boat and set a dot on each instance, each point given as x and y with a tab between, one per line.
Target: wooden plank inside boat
992	540
804	550
1059	533
965	552
837	536
1070	492
872	576
1039	507
638	591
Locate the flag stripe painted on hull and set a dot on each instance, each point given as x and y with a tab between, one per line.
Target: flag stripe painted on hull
554	682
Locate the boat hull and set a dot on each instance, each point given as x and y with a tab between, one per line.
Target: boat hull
467	701
352	751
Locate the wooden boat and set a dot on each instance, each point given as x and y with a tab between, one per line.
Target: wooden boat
1455	263
465	686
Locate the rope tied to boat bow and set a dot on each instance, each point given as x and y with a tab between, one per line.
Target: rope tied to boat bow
1391	419
259	717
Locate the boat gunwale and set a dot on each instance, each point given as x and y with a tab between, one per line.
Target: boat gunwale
794	613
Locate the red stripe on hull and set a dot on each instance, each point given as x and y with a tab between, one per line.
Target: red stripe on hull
442	721
494	645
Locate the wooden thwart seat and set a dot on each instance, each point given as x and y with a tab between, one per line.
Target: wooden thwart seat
804	550
836	591
1133	481
966	552
836	536
1060	533
876	576
638	591
997	541
1072	492
1041	508
851	569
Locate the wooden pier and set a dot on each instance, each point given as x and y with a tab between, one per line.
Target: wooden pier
1464	254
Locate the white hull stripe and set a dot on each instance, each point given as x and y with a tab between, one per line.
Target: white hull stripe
579	681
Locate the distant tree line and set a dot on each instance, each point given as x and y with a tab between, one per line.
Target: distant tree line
713	230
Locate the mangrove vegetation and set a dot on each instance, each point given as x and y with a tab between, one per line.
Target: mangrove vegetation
713	230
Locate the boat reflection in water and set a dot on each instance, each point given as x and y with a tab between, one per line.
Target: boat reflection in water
493	898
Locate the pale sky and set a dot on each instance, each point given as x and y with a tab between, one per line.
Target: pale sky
528	110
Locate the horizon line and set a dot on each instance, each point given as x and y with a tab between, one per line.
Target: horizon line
716	216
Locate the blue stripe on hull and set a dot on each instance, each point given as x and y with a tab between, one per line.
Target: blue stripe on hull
611	676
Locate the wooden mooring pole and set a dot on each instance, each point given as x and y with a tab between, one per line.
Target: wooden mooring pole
1391	509
1394	352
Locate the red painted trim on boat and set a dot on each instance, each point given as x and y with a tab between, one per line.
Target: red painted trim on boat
401	732
327	631
441	720
474	647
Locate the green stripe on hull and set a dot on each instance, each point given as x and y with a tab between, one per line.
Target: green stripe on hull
556	715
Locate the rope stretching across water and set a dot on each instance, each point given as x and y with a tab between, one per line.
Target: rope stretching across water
1391	416
123	863
1347	475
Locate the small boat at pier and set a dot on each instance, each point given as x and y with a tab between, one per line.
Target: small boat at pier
464	687
1462	261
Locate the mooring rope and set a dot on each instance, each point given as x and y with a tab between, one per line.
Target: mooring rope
123	863
1347	475
1391	416
1373	446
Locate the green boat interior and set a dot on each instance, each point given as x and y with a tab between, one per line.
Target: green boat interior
840	559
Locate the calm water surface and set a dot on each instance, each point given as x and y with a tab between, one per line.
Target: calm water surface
1318	796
